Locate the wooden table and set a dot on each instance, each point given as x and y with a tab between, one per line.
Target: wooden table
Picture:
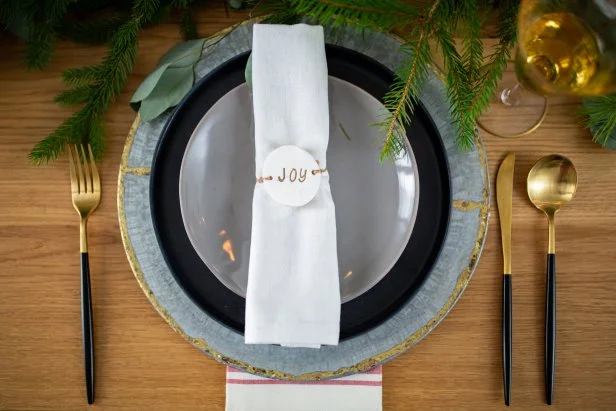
143	364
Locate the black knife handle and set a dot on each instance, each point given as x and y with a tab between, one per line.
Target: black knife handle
550	328
507	334
86	326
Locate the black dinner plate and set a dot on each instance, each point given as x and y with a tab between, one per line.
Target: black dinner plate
361	313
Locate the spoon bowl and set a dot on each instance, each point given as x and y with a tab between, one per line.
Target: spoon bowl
552	183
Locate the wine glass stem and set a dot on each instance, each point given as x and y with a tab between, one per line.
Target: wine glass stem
512	96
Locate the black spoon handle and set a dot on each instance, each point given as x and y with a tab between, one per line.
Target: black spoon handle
507	334
550	328
86	326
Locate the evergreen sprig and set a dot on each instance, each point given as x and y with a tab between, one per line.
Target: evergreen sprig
368	14
404	93
116	23
98	30
96	87
600	117
471	80
188	25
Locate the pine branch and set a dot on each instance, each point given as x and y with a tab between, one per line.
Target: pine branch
458	82
81	75
275	12
181	4
601	117
55	144
92	31
11	10
463	70
74	96
380	15
493	70
104	81
55	10
42	36
160	15
401	98
188	26
39	46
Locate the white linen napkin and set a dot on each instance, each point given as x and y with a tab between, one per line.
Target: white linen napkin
293	295
358	392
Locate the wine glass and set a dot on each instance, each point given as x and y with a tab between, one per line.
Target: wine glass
565	47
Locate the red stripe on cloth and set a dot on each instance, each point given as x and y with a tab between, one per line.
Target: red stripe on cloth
287	382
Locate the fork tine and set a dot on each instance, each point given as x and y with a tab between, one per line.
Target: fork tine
86	168
82	182
96	180
71	162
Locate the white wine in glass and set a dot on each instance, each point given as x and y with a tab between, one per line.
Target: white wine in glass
565	47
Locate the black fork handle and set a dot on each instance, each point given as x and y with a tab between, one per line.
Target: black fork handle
86	326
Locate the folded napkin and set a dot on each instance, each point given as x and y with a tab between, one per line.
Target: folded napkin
358	392
293	295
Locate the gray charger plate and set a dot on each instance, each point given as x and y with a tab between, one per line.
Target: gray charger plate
451	273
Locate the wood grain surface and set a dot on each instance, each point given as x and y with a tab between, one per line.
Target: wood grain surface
142	364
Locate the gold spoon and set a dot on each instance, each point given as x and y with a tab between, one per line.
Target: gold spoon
551	184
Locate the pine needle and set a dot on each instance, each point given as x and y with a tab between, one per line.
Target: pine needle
81	75
188	26
74	96
92	31
42	35
600	115
401	98
39	46
103	82
493	70
381	15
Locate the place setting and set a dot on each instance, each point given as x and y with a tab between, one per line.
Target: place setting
261	224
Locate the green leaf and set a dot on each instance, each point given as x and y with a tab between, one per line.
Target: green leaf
248	72
236	4
147	85
183	54
169	91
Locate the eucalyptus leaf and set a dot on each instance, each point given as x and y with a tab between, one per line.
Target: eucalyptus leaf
147	85
248	72
168	92
183	54
236	4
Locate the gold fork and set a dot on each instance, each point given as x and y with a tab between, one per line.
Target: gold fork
86	193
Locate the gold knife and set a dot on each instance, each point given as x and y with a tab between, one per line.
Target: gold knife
504	195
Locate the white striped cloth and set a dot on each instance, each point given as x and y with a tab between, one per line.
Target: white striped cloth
359	392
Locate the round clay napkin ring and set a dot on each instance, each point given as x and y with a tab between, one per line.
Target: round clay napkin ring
291	176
